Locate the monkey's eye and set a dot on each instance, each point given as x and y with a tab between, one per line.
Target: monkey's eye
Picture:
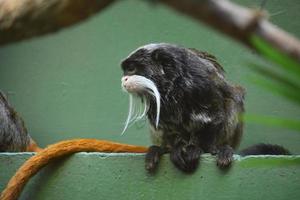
131	69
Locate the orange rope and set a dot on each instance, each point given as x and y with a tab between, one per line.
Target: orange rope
55	151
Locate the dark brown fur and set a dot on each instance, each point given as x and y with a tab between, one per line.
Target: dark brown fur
13	133
200	110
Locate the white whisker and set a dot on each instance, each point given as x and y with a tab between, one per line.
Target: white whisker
129	114
144	111
146	107
136	111
157	99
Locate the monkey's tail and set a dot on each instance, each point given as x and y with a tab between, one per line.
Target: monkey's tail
33	147
265	149
58	150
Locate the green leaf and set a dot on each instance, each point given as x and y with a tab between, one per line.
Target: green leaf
273	121
276	76
278	89
287	64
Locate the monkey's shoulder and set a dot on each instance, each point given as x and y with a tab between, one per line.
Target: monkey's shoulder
207	56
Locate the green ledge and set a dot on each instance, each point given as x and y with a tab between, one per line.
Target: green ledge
122	176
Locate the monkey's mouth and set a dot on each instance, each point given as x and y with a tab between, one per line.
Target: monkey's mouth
139	89
136	84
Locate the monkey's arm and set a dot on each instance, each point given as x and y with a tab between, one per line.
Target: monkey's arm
153	156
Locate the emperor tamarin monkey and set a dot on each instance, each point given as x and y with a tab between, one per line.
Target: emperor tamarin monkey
191	107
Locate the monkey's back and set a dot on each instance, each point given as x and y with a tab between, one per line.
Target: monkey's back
234	108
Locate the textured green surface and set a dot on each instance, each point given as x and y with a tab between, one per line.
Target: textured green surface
121	176
67	84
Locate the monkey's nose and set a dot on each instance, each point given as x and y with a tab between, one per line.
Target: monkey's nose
125	78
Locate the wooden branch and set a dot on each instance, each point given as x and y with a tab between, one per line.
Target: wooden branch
22	19
238	22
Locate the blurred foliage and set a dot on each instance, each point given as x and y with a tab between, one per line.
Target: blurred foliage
274	121
283	79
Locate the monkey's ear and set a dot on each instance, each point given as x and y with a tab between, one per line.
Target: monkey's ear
161	56
207	56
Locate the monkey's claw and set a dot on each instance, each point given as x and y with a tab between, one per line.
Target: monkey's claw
186	158
224	157
152	158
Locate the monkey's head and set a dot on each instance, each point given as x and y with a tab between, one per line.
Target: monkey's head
147	72
152	62
155	70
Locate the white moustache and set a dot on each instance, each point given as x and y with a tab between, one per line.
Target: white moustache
136	84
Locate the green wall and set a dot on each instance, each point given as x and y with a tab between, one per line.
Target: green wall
67	84
92	176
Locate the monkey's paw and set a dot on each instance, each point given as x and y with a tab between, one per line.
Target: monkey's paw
224	157
186	157
152	158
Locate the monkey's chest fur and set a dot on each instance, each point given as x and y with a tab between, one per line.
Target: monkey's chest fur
207	120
